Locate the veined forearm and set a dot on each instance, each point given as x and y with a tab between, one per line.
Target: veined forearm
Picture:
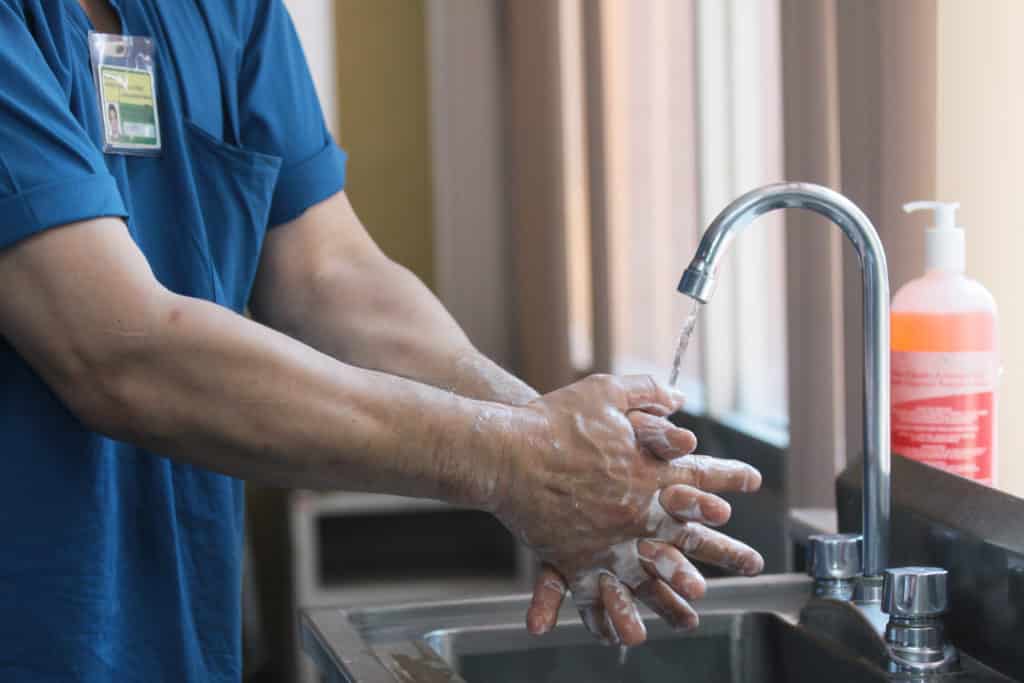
231	395
376	314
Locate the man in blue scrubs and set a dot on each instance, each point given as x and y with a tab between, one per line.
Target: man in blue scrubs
135	397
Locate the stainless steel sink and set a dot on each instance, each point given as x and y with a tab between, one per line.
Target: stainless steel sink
738	647
748	632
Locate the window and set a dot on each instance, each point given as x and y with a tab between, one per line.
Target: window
691	118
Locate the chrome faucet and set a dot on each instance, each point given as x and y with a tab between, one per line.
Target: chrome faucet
698	282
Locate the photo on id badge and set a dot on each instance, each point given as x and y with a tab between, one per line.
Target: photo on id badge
129	107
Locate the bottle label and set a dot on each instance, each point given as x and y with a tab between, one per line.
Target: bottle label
944	409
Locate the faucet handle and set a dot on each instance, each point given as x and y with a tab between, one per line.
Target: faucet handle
915	592
835	556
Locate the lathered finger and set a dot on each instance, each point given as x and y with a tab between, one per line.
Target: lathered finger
690	504
548	593
660	437
596	620
711	474
622	611
586	593
713	547
661	599
665	562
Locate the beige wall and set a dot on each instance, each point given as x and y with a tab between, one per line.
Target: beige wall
980	145
382	104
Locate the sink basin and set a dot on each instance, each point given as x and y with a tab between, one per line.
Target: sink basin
748	633
740	647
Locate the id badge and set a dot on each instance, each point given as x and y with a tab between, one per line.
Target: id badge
124	71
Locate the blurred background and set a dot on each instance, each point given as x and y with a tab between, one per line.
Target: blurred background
547	166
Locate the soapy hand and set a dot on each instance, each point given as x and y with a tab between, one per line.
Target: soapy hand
606	493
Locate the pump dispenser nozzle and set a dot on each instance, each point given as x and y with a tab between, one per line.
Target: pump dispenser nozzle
944	241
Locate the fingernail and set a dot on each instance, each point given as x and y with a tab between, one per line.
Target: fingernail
684	438
538	628
646	550
640	637
695	586
752	480
715	509
753	564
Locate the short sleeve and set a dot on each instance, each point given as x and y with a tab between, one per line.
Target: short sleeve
281	115
51	171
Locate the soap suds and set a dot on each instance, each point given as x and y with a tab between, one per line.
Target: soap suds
692	513
489	421
666	568
691	543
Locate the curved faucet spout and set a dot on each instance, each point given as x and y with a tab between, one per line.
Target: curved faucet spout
698	282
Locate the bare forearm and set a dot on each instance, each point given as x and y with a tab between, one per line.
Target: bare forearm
234	396
378	315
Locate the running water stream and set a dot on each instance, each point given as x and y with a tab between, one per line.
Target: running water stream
684	342
689	324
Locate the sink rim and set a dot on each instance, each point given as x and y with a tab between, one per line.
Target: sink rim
380	644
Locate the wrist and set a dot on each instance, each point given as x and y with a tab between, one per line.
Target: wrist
523	443
499	451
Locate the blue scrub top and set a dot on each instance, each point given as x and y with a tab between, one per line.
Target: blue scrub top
117	564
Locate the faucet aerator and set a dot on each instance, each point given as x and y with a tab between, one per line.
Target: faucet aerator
698	284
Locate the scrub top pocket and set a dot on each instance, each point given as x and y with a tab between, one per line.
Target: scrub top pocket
235	187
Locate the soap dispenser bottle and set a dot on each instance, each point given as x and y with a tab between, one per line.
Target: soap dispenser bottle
945	358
